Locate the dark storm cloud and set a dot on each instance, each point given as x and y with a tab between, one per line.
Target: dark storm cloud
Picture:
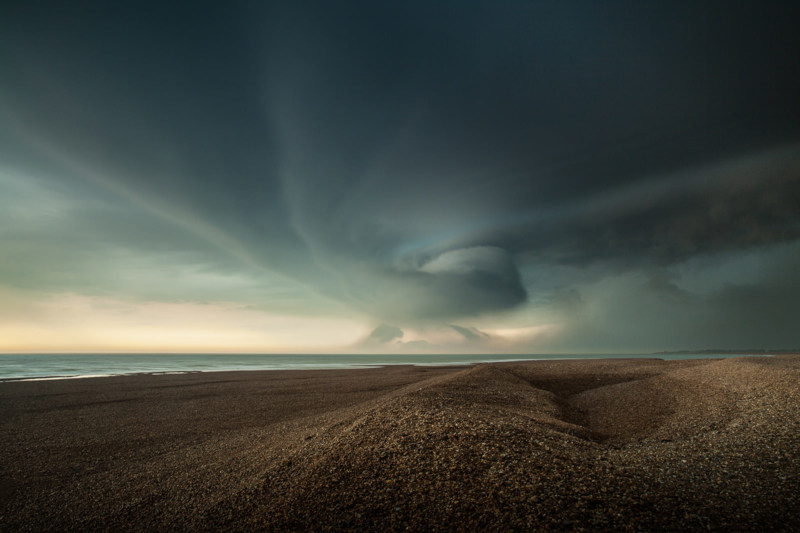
726	304
411	158
385	333
740	204
470	334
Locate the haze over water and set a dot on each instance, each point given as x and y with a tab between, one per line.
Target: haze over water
23	366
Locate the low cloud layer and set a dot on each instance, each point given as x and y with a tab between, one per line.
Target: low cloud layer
412	163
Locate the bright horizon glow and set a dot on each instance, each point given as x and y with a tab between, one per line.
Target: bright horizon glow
75	323
72	323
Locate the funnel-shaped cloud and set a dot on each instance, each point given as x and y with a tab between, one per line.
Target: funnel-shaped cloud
470	333
385	333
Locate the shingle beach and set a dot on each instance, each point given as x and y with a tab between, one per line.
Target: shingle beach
631	445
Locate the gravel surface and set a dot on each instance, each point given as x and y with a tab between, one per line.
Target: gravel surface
638	445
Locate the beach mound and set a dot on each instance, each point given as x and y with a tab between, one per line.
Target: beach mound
466	450
556	445
697	446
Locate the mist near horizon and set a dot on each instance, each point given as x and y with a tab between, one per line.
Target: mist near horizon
498	177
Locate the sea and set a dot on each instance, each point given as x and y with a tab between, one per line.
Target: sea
15	367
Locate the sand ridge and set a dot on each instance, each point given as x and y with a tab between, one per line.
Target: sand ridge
556	445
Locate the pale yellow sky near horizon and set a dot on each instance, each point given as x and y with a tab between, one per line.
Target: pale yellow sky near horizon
71	322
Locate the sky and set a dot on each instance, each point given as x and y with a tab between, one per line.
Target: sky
504	176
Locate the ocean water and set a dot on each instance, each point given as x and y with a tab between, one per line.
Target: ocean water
62	366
